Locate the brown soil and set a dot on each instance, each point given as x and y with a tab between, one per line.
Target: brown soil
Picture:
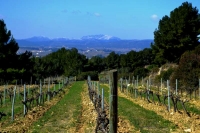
182	120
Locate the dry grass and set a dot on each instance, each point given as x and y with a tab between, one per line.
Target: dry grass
182	120
89	114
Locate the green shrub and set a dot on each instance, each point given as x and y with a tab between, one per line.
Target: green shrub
141	72
165	75
153	68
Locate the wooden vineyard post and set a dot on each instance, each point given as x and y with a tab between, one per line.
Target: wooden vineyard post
102	100
13	102
113	101
149	82
88	79
24	99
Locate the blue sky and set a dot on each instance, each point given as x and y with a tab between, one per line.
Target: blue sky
126	19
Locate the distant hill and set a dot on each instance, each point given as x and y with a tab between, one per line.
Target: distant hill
92	41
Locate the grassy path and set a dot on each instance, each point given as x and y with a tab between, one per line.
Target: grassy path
65	115
146	121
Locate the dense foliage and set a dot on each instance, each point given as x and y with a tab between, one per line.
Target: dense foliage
63	62
188	71
13	66
176	34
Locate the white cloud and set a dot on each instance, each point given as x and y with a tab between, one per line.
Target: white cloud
154	17
97	14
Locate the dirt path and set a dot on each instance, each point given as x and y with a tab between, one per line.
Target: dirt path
89	114
183	122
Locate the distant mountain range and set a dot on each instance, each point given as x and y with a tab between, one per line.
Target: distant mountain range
91	41
100	37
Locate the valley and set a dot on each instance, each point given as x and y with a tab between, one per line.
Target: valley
94	45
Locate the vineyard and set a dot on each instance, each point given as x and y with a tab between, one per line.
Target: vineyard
21	104
92	106
180	110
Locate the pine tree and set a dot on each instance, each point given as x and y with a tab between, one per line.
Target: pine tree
176	34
